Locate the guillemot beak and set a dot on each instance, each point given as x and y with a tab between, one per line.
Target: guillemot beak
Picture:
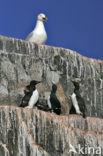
38	82
34	82
73	81
44	19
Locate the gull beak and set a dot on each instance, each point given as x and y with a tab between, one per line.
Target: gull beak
44	19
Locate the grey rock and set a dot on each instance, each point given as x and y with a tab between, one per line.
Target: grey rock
21	62
31	132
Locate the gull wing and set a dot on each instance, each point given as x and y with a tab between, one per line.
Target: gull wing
29	36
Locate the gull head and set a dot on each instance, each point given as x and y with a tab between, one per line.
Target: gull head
42	17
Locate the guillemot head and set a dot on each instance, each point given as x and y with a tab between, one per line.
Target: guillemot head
34	82
54	87
76	85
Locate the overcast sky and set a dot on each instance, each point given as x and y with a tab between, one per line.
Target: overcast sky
72	24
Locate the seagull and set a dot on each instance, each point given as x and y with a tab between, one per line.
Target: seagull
53	102
38	35
31	96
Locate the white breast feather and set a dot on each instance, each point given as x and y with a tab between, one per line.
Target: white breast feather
75	103
49	103
33	100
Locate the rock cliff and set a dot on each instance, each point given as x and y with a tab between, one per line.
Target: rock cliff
21	61
31	132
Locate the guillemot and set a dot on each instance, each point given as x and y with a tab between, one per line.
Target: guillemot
78	106
53	101
38	35
31	95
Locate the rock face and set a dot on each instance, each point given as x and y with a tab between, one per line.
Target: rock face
21	62
30	132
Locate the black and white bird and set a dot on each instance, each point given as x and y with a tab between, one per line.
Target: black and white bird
31	95
38	35
78	106
53	101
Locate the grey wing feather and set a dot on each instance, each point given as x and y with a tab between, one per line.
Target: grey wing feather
29	36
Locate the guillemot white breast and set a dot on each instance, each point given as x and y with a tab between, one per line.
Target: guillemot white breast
31	95
78	102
